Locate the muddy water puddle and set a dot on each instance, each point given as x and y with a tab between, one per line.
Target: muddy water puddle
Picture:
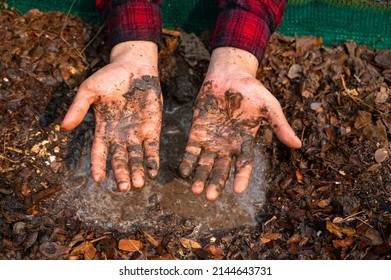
166	202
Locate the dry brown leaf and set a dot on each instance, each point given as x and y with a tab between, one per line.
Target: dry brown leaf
299	176
381	155
151	240
76	239
188	243
324	202
130	245
89	252
339	230
25	189
363	118
215	251
343	243
269	236
374	167
80	249
294	239
373	236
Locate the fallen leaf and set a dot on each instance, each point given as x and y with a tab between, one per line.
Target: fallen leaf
215	251
89	252
130	245
190	244
76	239
381	155
293	249
269	236
363	119
338	220
339	230
373	236
53	250
295	71
325	202
299	176
25	189
80	249
30	240
343	243
374	167
294	239
150	239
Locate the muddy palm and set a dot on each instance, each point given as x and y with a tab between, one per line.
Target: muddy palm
227	115
127	102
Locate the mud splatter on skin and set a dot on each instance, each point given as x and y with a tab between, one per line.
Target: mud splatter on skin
223	129
121	123
234	100
145	83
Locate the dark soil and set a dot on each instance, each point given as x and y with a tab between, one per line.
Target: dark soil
329	200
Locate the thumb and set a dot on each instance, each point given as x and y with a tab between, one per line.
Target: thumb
79	108
282	128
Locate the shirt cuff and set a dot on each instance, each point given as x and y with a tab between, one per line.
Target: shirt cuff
133	21
242	30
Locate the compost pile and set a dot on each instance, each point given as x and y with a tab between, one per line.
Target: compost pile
329	200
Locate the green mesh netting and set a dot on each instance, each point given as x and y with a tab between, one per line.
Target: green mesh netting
366	22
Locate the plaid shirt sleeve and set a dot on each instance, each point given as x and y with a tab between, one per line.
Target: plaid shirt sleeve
132	20
247	24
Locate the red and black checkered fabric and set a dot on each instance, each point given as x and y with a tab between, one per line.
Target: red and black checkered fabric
243	24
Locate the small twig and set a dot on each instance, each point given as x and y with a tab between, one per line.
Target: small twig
351	251
65	23
270	220
8	159
98	239
352	93
364	222
81	55
351	216
16	150
93	38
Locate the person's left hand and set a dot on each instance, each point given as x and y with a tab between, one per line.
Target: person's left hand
227	115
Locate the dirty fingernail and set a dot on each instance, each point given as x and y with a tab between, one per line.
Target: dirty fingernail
123	186
185	170
213	192
197	187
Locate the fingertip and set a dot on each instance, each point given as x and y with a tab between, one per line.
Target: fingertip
197	187
138	181
152	169
297	143
98	178
213	192
185	169
241	184
152	173
293	142
123	186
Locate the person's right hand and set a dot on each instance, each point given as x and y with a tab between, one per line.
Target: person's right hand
127	101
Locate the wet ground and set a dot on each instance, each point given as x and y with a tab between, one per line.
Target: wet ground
329	200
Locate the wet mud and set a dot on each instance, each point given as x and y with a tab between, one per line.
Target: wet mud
168	197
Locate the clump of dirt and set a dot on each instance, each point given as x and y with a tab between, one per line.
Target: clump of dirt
329	200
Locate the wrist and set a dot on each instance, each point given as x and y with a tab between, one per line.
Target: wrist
142	54
228	61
